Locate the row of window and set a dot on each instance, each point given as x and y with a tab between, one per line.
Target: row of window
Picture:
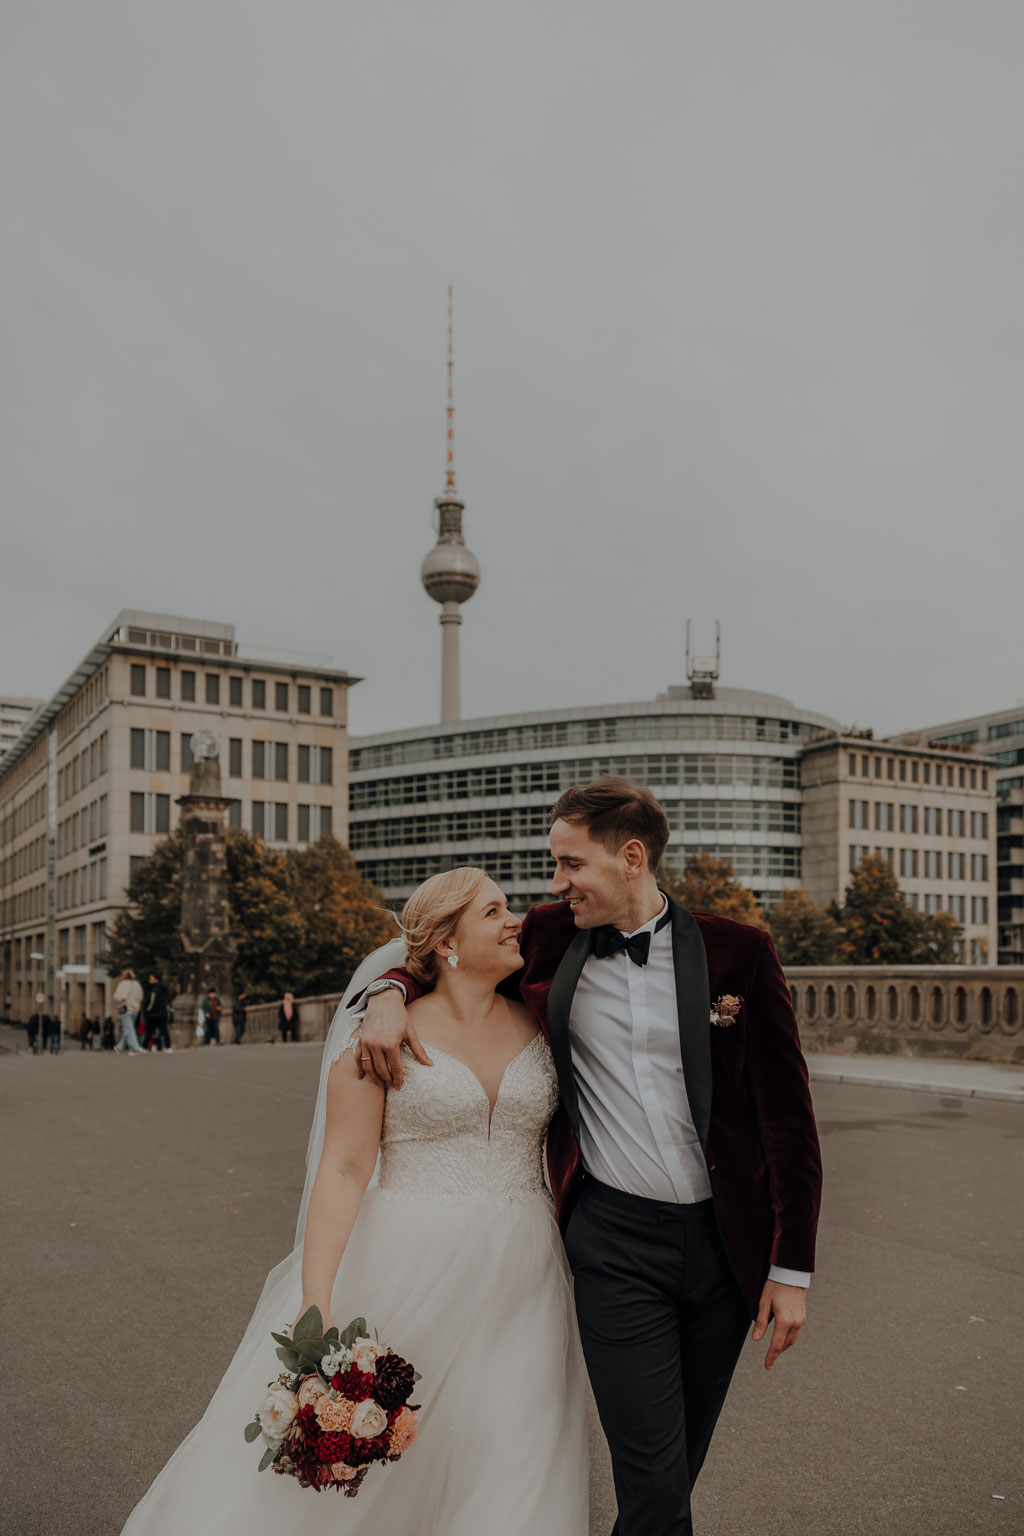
756	861
151	751
24	907
928	862
80	770
71	945
1006	728
569	733
138	685
83	706
551	778
151	814
24	861
21	817
920	772
80	886
82	827
932	818
1010	759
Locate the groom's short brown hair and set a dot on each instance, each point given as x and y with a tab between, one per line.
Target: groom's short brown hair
613	810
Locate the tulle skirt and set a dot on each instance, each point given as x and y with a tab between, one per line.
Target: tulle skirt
477	1296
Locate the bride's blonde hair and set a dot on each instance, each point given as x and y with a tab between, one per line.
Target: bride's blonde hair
431	916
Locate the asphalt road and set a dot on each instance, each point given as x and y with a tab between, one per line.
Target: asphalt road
145	1200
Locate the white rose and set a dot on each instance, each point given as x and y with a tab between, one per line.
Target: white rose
368	1420
277	1412
365	1354
338	1359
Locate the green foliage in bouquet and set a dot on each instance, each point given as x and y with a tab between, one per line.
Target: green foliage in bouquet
309	1343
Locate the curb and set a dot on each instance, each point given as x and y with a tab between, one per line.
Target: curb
865	1080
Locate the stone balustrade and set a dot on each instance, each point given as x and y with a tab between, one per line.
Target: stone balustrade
954	1011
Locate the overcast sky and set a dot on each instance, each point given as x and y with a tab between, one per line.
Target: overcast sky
738	325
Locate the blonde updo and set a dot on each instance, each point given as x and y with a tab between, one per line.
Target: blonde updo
431	916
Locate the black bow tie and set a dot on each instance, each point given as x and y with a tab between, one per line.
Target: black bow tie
610	941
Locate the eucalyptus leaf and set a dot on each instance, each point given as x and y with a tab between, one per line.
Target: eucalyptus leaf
332	1336
269	1455
288	1358
417	1376
355	1330
309	1326
252	1432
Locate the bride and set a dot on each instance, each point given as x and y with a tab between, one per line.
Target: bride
453	1255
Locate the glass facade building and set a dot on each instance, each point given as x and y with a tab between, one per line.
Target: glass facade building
726	769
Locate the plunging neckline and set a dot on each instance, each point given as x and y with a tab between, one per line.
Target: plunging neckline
438	1050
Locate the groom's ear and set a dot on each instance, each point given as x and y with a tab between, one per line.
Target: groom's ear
634	856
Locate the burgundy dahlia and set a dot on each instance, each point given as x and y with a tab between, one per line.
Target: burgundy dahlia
395	1381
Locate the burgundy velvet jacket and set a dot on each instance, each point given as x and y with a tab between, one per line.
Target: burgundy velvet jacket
746	1081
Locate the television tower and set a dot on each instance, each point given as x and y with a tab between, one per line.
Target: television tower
450	573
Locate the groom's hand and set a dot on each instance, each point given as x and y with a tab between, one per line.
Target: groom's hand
788	1305
378	1046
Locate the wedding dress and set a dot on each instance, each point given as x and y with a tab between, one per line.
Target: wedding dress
455	1258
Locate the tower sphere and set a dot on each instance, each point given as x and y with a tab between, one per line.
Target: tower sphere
450	573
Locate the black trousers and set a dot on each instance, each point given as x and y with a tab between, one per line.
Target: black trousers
662	1322
159	1034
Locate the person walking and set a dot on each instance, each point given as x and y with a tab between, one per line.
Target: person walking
155	1011
238	1015
32	1030
288	1018
51	1034
210	1009
128	997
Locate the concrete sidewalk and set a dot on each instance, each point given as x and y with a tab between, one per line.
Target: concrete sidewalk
922	1074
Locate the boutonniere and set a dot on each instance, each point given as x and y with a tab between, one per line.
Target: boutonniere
725	1011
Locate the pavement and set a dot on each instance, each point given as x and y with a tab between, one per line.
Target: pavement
146	1198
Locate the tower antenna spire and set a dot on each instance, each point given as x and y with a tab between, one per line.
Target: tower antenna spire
449	483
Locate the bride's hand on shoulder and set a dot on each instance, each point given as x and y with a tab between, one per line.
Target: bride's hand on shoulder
386	1027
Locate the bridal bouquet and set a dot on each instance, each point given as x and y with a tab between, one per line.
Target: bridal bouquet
342	1404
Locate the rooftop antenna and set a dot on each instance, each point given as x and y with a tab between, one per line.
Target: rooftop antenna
702	671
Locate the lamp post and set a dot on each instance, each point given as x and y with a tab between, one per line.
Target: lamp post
39	997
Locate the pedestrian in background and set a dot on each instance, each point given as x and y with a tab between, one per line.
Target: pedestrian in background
288	1018
107	1034
238	1015
89	1028
155	1010
210	1010
51	1034
128	997
33	1031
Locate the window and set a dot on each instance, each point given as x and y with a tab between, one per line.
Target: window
187	760
235	692
903	770
928	774
878	767
864	767
327	701
858	813
889	768
886	855
303	832
303	765
933	820
974	778
956	866
958	907
979	824
857	853
259	693
137	812
137	684
908	818
326	765
258	819
961	779
932	864
280	823
138	749
281	760
134	864
908	863
281	697
932	904
314	822
235	813
956	823
305	698
149	813
163	682
979	866
162	751
979	910
235	757
914	770
885	817
316	765
188	686
213	687
150	750
326	818
259	758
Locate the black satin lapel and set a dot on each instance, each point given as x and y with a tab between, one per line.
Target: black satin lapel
693	1001
560	996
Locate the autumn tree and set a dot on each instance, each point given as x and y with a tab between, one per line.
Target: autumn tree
708	884
804	933
879	928
302	919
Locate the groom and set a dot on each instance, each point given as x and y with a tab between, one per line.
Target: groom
684	1160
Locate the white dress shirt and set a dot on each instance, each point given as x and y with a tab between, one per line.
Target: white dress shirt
636	1130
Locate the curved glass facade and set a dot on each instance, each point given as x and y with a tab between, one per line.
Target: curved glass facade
727	771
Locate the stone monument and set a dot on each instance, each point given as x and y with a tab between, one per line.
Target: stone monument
205	950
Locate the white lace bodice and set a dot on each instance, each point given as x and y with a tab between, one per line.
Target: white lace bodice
440	1141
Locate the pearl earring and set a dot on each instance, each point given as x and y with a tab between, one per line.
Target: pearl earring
453	961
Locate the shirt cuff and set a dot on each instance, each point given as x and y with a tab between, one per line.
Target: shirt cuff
357	1007
789	1276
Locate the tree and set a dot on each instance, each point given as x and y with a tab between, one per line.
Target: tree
804	933
302	919
879	928
708	884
